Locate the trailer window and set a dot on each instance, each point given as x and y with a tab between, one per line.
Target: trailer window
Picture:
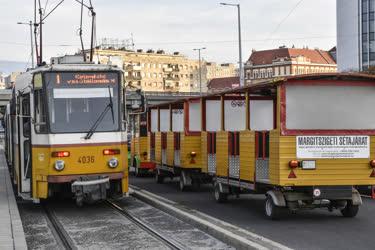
213	115
195	116
164	120
329	107
154	120
261	115
177	120
235	115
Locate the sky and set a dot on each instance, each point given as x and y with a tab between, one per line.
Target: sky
173	26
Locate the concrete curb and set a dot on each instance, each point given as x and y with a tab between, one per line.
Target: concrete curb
226	232
18	235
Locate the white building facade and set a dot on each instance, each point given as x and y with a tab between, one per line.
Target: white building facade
355	34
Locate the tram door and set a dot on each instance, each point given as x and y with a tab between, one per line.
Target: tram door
24	123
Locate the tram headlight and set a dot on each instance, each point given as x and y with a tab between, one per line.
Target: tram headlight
113	163
59	165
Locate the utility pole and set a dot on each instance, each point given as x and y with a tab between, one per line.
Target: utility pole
30	23
200	68
239	40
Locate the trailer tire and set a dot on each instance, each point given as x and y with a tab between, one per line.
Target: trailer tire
350	210
158	177
182	184
220	197
137	171
272	211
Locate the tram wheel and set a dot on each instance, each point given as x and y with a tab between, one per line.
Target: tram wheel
272	211
350	210
219	196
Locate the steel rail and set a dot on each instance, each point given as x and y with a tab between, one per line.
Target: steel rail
58	229
172	244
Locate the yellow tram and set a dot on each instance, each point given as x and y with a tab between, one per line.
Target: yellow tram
304	141
66	132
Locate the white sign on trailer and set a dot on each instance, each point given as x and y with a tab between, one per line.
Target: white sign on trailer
328	147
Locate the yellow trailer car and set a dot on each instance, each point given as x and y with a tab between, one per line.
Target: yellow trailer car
175	141
304	142
139	158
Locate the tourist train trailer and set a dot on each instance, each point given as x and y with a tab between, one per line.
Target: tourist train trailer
304	141
175	151
139	159
66	132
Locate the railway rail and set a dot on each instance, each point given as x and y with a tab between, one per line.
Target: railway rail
58	230
172	244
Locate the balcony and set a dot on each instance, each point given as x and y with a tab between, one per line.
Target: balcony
168	70
133	68
172	78
133	78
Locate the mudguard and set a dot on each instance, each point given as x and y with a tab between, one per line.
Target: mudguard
356	200
277	197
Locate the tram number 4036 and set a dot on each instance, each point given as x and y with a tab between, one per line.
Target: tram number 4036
86	159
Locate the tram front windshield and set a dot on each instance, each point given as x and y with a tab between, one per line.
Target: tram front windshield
76	100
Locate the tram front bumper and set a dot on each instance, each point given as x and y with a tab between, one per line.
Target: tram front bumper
90	189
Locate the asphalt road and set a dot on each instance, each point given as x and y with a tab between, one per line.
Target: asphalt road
311	229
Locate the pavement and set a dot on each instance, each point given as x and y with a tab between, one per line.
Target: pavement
309	229
11	231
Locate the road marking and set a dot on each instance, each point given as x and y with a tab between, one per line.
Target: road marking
222	230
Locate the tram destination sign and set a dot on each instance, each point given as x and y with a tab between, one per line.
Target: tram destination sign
333	147
84	78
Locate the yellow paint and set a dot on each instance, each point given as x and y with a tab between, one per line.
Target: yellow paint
222	153
247	155
43	165
190	143
328	171
170	149
140	148
158	148
204	152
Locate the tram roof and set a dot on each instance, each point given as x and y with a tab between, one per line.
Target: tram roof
263	88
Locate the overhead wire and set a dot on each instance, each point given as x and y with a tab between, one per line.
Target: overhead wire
285	18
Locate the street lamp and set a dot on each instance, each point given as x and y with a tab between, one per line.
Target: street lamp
30	23
239	40
200	69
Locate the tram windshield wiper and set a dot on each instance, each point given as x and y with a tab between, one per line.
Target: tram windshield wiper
101	116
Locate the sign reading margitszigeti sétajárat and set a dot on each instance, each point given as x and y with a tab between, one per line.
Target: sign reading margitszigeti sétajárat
333	146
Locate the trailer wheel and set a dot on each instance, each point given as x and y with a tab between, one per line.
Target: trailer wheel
272	211
159	178
350	210
219	196
182	184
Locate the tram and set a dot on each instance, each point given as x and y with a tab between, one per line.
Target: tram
304	142
66	132
140	158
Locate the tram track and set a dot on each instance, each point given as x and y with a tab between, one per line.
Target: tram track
172	244
58	230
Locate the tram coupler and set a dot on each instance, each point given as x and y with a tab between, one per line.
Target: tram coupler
90	189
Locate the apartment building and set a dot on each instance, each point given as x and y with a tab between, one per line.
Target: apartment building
159	71
285	61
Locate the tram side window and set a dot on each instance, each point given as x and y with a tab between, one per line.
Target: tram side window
40	112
